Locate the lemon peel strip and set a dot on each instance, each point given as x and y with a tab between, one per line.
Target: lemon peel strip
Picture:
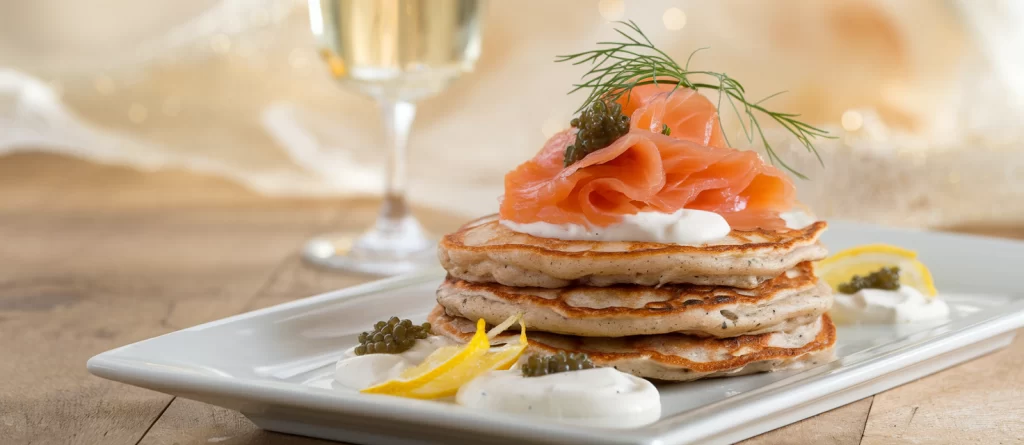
495	331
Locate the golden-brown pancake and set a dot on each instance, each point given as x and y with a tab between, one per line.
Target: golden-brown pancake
676	357
485	251
792	299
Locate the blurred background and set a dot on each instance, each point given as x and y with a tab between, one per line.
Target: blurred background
926	96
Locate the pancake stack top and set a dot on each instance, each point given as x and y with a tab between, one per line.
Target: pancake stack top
747	303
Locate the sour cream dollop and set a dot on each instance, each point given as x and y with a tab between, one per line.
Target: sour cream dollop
684	226
359	372
596	397
904	305
797	219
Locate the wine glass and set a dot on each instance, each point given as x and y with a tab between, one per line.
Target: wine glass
396	52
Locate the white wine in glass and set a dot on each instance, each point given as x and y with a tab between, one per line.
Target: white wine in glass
396	52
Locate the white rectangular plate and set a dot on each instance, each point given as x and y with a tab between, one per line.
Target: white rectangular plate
272	364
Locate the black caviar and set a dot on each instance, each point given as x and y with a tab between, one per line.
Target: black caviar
537	366
391	337
887	278
599	126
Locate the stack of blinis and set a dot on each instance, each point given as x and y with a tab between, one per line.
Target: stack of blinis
747	303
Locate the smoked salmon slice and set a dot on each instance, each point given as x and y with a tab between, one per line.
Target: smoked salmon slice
646	170
688	114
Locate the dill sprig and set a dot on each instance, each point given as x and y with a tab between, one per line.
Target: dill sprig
617	67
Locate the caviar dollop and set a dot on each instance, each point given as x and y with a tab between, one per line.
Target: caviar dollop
391	337
537	366
887	278
598	126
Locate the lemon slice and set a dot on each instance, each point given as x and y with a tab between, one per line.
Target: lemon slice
448	368
862	260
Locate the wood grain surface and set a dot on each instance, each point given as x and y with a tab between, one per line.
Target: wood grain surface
95	257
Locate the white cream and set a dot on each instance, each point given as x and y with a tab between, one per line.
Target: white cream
597	397
904	305
359	372
685	226
797	219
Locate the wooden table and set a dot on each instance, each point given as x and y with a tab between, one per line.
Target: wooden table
95	257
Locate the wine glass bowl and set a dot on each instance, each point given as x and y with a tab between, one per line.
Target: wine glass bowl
396	52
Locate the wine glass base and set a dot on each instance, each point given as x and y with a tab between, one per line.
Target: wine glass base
341	251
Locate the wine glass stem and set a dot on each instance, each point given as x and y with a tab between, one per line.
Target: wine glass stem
398	116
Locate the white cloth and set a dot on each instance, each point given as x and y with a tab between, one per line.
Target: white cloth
234	88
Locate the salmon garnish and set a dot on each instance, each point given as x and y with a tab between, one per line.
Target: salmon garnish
645	170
